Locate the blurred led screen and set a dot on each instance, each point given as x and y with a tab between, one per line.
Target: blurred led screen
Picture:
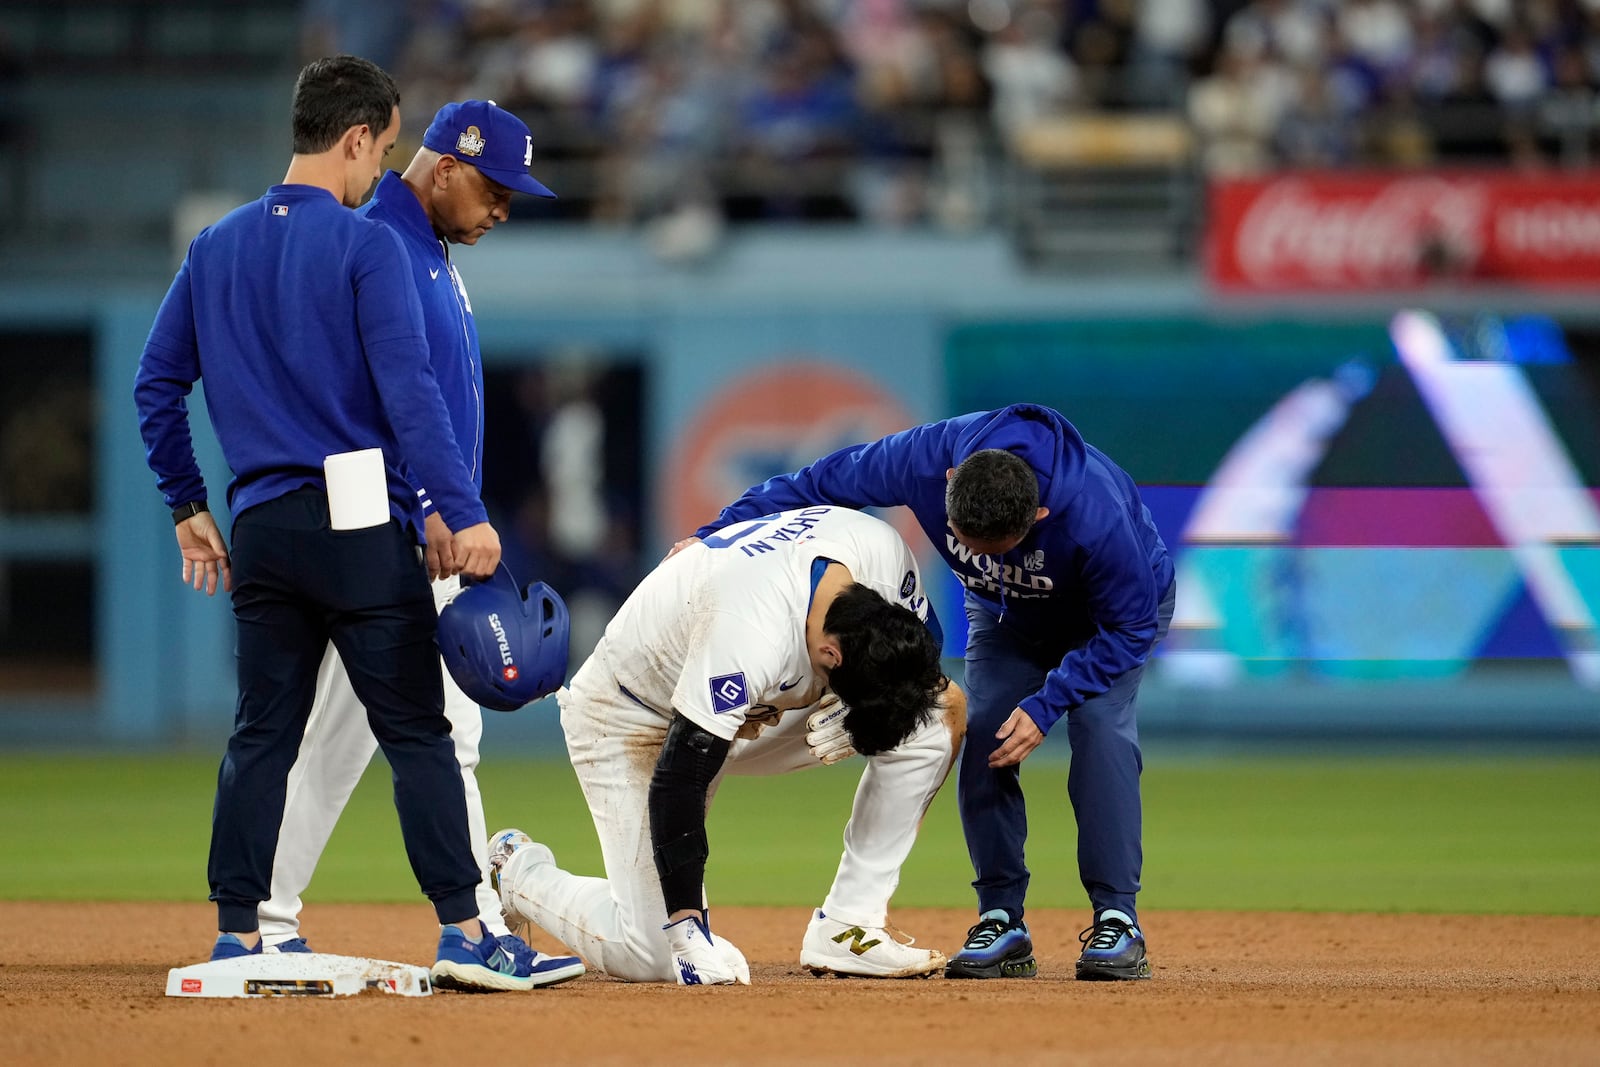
1413	497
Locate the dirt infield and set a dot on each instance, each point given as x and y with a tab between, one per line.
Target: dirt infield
83	984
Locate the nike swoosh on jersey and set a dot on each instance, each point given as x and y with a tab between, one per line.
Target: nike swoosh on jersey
434	274
785	687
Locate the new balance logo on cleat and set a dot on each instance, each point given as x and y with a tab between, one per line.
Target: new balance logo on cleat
855	934
833	948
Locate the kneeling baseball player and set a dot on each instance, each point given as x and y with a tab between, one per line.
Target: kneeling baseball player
786	642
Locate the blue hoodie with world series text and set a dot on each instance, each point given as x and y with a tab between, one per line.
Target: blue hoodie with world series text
1084	585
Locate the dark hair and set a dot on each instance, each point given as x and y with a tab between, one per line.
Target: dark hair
992	496
333	94
889	674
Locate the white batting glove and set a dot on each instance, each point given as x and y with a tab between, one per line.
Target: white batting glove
733	958
699	958
825	732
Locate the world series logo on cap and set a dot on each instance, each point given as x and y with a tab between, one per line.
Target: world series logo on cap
471	142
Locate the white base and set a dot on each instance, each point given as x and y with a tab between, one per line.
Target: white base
297	974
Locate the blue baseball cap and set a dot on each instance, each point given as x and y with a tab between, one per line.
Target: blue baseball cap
489	137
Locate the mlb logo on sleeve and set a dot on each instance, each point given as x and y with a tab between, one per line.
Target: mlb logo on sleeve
728	693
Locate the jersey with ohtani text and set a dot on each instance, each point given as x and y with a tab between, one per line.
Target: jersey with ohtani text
717	633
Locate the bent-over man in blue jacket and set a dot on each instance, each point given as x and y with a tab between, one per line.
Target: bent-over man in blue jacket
1068	589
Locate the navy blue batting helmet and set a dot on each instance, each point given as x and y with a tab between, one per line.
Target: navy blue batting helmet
505	646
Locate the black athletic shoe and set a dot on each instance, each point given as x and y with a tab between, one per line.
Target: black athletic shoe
995	948
1113	951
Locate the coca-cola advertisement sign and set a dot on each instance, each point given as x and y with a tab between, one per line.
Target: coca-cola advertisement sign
1310	231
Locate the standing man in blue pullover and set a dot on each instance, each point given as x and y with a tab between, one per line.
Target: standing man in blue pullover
304	322
457	187
1068	589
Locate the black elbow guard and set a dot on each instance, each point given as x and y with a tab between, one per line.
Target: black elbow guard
689	762
691	850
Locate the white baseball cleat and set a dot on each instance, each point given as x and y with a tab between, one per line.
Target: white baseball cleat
503	845
833	947
507	843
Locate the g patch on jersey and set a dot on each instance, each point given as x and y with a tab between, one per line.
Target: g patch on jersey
471	142
728	693
908	584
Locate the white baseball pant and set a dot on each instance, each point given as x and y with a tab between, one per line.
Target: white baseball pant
334	753
615	922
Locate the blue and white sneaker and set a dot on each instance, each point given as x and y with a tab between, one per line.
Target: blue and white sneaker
481	966
995	948
291	946
546	970
490	966
229	947
1113	950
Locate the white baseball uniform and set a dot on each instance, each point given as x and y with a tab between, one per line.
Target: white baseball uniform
717	633
334	753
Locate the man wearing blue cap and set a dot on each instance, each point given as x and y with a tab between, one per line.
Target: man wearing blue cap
456	188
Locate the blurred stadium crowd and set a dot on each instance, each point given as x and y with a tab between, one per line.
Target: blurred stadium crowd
863	109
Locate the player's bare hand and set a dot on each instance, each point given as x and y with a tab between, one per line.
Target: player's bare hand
1019	735
680	546
440	551
477	551
205	554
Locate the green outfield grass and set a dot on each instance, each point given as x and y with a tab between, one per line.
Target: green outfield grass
1431	834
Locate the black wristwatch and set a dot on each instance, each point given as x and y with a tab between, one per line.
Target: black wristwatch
188	511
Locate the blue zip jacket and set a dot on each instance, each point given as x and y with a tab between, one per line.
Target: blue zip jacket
304	321
446	317
1084	585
